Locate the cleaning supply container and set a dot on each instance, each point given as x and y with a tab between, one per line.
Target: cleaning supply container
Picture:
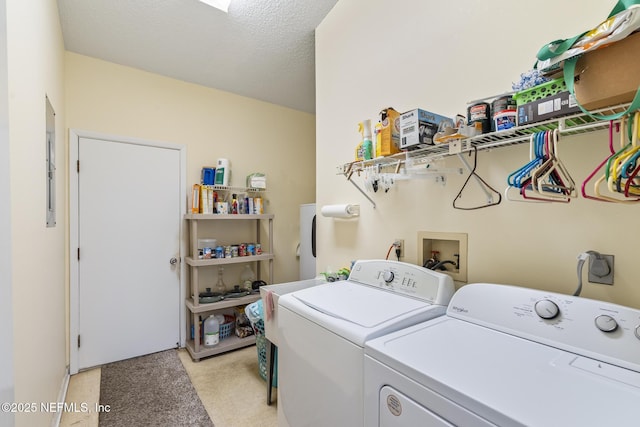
223	172
211	331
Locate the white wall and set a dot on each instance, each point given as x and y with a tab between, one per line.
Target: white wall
439	56
35	70
6	310
256	136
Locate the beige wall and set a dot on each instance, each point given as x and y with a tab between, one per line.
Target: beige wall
35	68
439	56
6	303
256	136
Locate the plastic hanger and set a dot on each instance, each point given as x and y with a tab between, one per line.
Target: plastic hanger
627	186
540	197
520	179
595	171
552	179
611	172
536	153
624	166
543	178
542	175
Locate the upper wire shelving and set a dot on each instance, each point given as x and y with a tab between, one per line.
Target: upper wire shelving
569	125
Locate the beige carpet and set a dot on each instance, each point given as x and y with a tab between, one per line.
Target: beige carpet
229	386
152	390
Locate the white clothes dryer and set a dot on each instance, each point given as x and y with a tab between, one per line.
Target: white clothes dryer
323	330
509	356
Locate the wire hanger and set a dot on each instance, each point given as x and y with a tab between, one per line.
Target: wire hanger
482	182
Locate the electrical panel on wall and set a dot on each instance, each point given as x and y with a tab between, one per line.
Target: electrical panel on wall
444	252
50	148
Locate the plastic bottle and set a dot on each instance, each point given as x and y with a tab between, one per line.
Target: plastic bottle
223	172
367	146
211	331
360	146
234	203
247	277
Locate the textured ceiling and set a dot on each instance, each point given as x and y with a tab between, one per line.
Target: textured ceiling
263	49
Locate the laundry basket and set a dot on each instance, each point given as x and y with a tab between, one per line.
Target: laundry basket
255	313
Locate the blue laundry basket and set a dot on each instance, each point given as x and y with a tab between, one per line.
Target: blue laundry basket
255	313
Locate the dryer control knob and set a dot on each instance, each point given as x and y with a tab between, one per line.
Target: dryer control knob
606	323
388	276
637	332
547	309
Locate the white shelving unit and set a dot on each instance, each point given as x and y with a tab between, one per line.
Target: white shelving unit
194	308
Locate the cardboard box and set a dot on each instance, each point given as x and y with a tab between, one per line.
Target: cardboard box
609	75
256	180
388	133
417	128
551	107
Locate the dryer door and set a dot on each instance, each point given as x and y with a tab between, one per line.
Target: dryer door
397	410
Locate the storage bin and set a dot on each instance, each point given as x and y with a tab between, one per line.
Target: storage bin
226	329
540	91
207	243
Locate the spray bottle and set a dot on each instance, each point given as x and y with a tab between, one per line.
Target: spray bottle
359	147
366	146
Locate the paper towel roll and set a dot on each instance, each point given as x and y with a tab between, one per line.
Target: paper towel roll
340	211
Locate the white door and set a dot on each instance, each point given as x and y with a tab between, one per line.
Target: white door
129	294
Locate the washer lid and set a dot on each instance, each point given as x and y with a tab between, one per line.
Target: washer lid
358	304
506	379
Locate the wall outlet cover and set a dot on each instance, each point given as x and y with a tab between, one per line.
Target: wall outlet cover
601	270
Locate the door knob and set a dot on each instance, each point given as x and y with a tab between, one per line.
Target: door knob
173	261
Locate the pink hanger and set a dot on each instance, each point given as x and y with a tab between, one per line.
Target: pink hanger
595	171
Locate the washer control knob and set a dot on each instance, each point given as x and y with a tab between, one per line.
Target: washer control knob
606	323
637	332
388	276
547	309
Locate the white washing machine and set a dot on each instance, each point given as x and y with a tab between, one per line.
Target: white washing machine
509	356
323	330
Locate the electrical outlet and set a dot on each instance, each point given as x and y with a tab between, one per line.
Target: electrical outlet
399	244
601	269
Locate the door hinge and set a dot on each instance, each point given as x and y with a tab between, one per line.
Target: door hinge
78	341
78	254
78	166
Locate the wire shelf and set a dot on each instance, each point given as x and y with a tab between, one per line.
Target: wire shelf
569	125
236	189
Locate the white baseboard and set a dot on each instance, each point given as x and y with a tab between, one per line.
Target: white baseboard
62	395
